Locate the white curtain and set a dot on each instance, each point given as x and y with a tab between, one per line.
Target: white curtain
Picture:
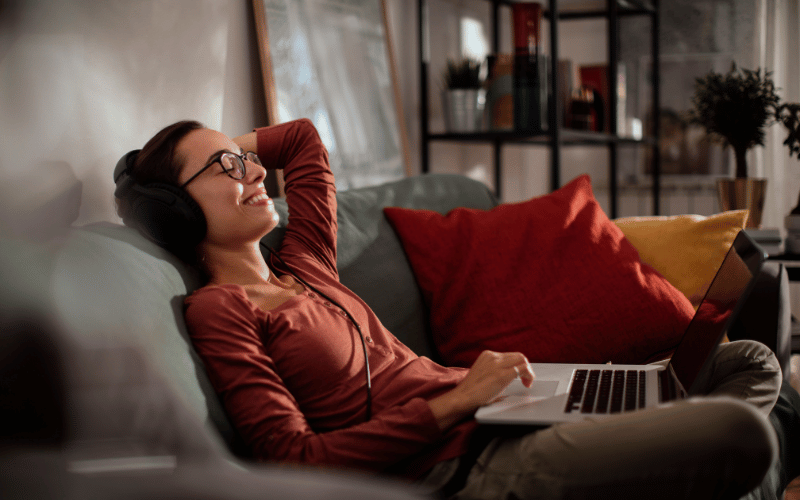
778	50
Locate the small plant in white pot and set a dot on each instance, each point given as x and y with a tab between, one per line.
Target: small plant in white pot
464	96
736	107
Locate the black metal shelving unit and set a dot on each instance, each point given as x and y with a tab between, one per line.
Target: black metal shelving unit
556	136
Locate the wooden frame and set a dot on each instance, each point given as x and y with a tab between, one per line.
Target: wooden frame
331	61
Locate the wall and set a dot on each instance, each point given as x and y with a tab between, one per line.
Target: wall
85	81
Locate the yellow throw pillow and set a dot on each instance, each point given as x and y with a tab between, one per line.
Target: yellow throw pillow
685	249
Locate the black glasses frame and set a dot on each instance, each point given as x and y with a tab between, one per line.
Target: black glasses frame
240	158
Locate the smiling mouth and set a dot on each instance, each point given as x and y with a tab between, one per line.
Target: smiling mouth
256	199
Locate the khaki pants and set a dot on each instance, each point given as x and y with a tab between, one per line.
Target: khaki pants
717	446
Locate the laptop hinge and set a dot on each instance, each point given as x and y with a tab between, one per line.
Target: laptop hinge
666	387
670	387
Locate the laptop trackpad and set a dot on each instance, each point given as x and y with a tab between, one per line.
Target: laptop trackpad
543	388
539	389
517	396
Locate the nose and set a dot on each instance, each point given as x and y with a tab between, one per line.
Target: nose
255	173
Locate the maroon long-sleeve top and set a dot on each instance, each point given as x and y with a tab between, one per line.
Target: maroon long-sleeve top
292	379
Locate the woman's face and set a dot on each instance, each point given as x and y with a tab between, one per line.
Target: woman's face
236	211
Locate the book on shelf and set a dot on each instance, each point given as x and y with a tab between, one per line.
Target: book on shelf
595	77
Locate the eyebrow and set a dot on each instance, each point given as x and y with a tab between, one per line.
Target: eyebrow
213	156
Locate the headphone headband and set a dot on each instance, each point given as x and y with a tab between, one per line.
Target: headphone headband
122	173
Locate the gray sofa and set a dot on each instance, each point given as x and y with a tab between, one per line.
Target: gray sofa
130	406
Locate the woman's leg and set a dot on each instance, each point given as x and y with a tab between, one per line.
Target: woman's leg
745	370
718	446
704	448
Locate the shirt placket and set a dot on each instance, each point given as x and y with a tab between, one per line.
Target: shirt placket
367	338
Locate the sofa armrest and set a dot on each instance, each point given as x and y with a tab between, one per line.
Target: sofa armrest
766	315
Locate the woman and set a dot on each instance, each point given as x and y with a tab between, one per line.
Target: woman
286	347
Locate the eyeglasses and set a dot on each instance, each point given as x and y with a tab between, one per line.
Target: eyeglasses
231	163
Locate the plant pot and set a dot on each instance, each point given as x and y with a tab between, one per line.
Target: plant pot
739	193
463	110
792	242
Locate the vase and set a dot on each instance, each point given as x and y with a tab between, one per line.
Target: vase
463	110
743	193
792	243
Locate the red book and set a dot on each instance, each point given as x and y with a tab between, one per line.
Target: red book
527	17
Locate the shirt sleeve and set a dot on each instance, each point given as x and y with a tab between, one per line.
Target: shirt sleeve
296	148
225	332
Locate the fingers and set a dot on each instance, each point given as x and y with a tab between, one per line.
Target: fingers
502	359
515	364
247	142
525	374
489	375
522	369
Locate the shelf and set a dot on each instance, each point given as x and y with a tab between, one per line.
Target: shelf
567	136
789	257
593	14
590	9
556	136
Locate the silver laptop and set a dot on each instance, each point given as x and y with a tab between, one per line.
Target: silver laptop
569	392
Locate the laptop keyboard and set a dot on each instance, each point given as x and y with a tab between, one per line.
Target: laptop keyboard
606	391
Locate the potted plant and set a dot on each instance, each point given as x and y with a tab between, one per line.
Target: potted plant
736	107
464	95
788	114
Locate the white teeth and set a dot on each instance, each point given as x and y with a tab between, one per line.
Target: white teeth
256	199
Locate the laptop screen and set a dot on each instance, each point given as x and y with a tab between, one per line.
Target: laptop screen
722	300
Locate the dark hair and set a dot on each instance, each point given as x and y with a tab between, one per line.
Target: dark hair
158	160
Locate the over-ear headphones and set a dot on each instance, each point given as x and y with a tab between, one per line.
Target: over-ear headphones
164	213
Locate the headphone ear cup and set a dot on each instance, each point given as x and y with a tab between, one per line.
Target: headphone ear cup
168	216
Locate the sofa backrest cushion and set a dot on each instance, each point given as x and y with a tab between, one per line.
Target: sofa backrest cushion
115	290
371	259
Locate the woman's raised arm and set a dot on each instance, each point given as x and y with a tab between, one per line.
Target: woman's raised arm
297	148
247	142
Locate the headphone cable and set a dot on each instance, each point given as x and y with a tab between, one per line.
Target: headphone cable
349	316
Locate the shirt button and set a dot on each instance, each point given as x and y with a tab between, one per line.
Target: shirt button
341	311
312	295
369	340
327	304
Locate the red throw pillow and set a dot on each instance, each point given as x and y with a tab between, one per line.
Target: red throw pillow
551	277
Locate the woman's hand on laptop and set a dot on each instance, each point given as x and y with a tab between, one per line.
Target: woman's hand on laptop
486	379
